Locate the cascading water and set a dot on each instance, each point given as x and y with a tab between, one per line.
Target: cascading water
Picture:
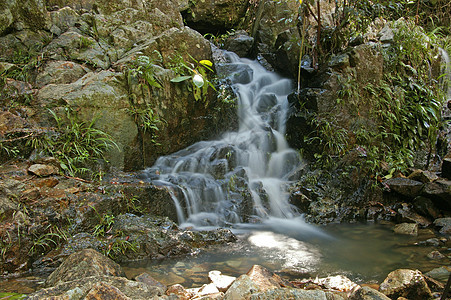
243	177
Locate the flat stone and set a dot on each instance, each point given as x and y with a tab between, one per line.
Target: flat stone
406	228
404	186
43	170
441	273
423	176
406	283
442	222
105	292
149	280
222	282
208	289
367	293
288	293
339	283
436	255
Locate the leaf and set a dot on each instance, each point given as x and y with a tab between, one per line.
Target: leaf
206	62
180	78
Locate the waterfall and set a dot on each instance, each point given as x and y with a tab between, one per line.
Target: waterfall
243	177
446	70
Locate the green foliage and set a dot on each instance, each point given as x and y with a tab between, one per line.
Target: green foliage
76	144
120	246
12	296
53	238
393	117
105	225
140	77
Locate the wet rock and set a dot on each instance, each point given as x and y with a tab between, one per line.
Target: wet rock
208	289
97	285
23	14
405	186
406	228
367	293
240	43
292	294
435	255
339	283
222	282
406	283
423	176
43	170
105	292
178	290
426	207
446	168
85	263
441	273
408	215
265	279
444	224
241	288
147	279
439	192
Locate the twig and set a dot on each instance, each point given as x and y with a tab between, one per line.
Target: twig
77	178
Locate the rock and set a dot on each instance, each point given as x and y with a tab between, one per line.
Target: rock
60	72
426	207
439	192
367	293
43	170
406	228
408	215
339	61
209	15
85	263
241	288
441	273
240	43
147	279
339	283
423	176
386	35
442	222
406	283
446	168
208	289
264	279
178	290
292	294
436	255
105	292
222	282
405	186
29	14
102	287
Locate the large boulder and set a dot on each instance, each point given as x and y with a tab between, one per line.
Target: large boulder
406	283
30	14
83	264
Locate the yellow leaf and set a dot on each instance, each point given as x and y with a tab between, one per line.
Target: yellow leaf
300	2
206	62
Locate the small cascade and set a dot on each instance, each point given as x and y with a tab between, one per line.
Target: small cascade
243	177
446	70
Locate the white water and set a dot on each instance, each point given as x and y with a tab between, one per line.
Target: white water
447	73
241	178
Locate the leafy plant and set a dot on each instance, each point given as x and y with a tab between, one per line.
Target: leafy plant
120	245
76	144
105	225
48	240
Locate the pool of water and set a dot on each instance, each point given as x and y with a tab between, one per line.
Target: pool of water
366	253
